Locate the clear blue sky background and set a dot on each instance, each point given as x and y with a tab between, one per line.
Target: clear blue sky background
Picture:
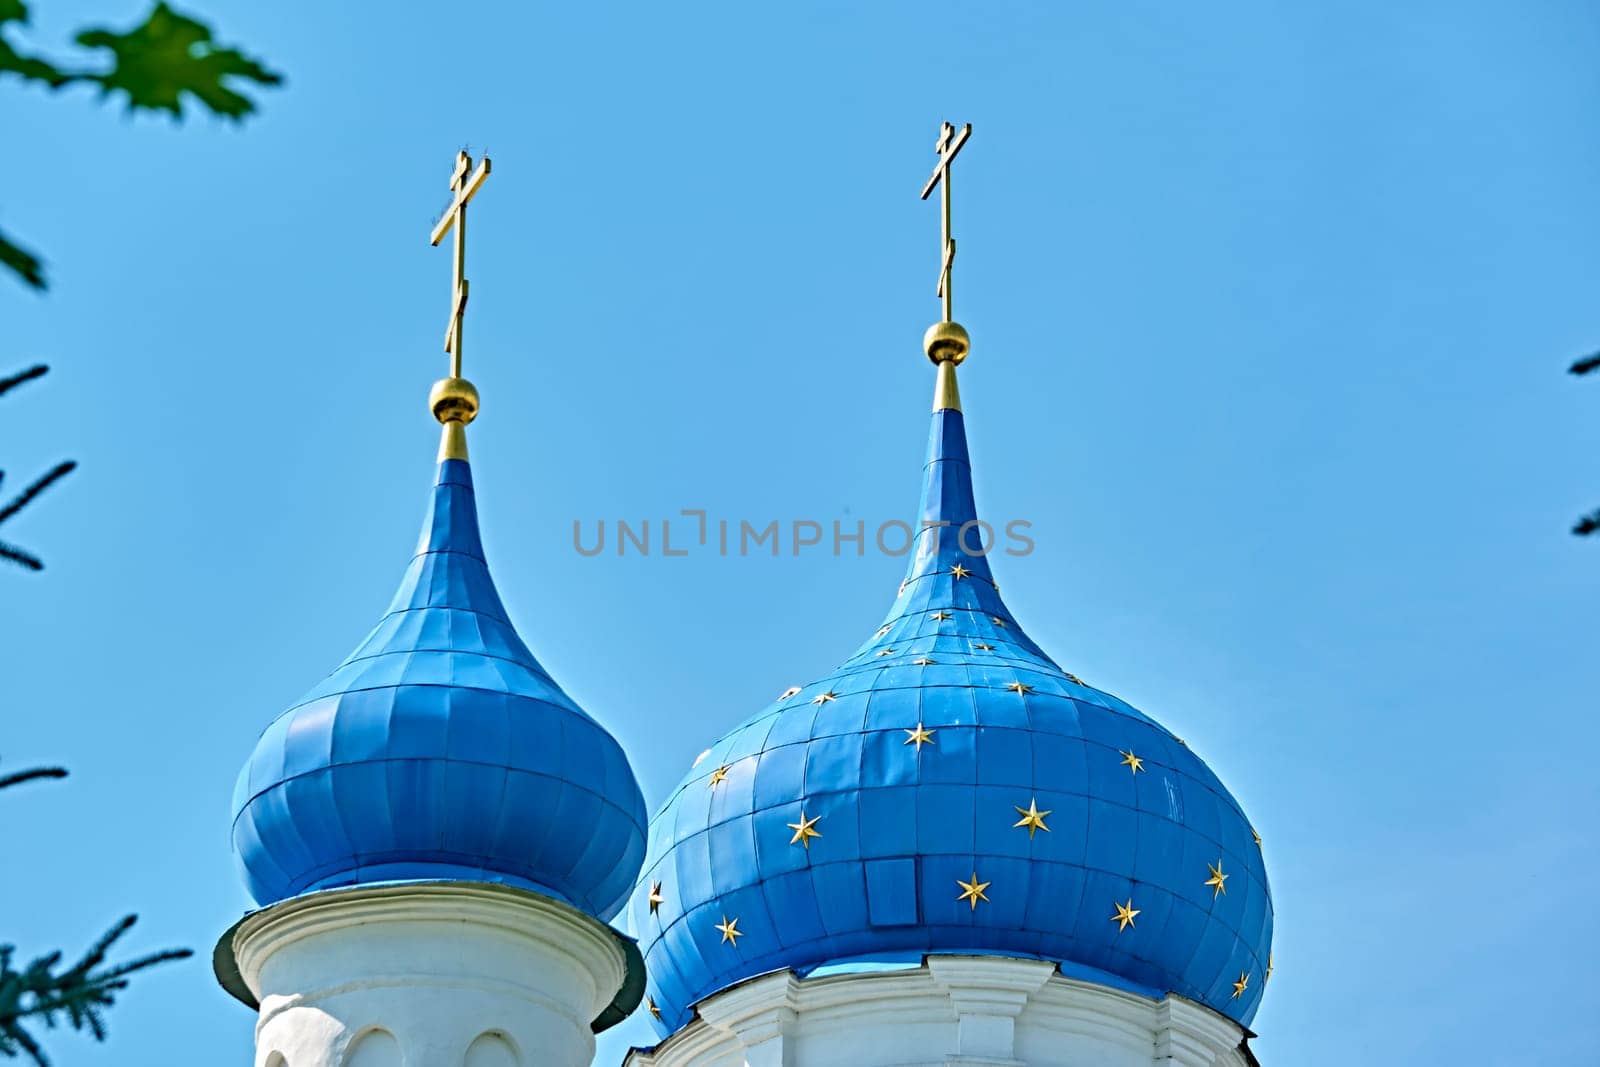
1272	305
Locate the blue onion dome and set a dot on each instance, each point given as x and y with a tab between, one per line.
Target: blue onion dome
951	789
441	749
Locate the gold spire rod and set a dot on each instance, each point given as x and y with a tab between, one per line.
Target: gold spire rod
454	400
947	146
946	342
464	183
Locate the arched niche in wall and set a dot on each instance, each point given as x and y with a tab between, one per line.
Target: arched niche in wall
374	1048
276	1059
492	1049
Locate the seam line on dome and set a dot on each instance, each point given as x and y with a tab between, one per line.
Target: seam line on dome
604	798
574	708
534	667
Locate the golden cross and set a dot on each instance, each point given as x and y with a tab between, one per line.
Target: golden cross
948	145
464	183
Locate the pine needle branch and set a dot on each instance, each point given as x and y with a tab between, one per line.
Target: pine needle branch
78	995
38	993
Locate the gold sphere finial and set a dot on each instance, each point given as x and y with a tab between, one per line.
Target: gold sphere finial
453	400
946	342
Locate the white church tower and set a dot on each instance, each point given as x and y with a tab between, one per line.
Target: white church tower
437	834
951	850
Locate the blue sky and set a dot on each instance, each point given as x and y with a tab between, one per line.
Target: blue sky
1271	306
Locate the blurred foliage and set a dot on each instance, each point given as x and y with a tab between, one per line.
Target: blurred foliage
156	66
43	993
159	65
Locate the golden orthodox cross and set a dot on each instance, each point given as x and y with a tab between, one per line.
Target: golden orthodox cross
464	183
948	145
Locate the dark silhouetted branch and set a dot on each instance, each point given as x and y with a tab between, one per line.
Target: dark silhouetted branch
37	371
31	775
24	498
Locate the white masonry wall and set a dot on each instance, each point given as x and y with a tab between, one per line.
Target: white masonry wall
954	1011
429	975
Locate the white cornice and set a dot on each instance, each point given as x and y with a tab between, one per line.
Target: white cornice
975	1011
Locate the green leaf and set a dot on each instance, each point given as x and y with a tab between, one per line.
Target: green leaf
22	261
159	64
29	68
171	56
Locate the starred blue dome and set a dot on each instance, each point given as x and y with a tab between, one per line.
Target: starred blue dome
441	749
951	789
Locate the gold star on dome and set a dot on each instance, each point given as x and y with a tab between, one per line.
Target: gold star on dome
655	898
885	651
1073	678
803	832
789	692
881	632
1180	740
940	616
901	590
655	1011
823	698
958	571
718	776
919	737
998	621
981	647
1130	760
1268	976
730	931
1124	916
1218	881
1256	836
1032	818
924	662
1240	986
973	891
1020	687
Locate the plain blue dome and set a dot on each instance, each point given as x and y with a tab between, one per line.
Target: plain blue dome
901	824
441	749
